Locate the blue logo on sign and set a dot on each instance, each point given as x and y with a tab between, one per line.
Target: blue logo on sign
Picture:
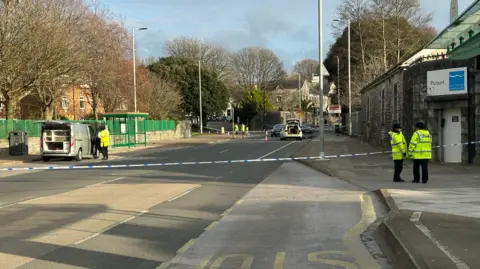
456	81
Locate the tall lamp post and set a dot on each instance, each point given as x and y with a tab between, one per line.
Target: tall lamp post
135	69
135	79
320	55
338	80
349	80
200	93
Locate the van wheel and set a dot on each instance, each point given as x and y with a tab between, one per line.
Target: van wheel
46	159
79	155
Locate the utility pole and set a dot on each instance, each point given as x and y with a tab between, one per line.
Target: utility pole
349	83
200	93
338	79
320	55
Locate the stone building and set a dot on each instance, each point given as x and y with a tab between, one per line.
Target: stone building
442	90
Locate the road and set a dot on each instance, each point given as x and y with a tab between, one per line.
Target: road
143	217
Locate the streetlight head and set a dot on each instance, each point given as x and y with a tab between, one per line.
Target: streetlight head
337	20
142	29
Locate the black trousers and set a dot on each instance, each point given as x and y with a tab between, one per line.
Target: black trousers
417	163
104	151
398	166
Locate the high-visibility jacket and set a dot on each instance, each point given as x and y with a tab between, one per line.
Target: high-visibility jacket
420	145
235	127
243	127
104	138
399	145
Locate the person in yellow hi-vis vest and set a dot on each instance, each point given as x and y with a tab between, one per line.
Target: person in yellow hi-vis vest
399	150
420	150
104	137
242	129
235	128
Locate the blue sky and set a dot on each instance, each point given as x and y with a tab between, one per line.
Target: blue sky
287	27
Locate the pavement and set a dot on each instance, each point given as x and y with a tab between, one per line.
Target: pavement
285	213
417	233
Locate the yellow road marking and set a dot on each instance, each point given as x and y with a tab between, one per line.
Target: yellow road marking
227	211
279	260
186	246
317	257
211	226
247	261
352	237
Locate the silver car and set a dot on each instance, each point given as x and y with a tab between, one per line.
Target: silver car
61	139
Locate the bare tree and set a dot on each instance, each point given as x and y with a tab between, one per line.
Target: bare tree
38	47
162	99
357	11
212	56
256	67
107	44
306	68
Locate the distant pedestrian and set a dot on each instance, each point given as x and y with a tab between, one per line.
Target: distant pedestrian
399	150
420	150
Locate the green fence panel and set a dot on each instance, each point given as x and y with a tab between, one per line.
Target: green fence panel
32	127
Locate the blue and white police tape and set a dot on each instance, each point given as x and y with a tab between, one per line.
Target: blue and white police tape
109	166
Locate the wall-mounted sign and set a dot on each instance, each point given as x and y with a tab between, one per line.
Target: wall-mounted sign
334	109
447	81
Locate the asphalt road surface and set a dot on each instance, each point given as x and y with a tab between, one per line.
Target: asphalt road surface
143	217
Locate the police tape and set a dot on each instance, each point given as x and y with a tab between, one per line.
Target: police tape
110	166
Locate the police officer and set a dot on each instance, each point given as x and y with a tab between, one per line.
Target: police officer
399	150
104	137
420	150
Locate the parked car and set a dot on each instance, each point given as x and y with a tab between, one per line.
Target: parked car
307	129
277	129
61	139
292	130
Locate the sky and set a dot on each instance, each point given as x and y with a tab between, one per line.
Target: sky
289	28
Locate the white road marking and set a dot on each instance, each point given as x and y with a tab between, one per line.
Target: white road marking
223	151
277	150
33	198
415	218
109	227
182	194
105	182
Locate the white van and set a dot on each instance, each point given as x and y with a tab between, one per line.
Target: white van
61	139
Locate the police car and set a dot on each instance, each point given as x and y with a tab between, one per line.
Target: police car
292	129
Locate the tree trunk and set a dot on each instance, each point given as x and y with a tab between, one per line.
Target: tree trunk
385	63
10	108
47	112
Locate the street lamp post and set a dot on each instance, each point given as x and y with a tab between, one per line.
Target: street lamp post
338	79
349	81
135	79
135	69
320	55
200	93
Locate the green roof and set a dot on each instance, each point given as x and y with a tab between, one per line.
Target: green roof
468	20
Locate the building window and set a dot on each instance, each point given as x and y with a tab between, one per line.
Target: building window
64	102
279	99
82	103
395	103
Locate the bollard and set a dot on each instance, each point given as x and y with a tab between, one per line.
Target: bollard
266	136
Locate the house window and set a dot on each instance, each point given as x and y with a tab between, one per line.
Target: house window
82	103
64	102
395	103
279	99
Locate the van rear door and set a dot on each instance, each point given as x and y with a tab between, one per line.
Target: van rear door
56	137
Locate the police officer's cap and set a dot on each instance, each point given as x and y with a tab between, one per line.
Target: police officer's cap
396	126
420	125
